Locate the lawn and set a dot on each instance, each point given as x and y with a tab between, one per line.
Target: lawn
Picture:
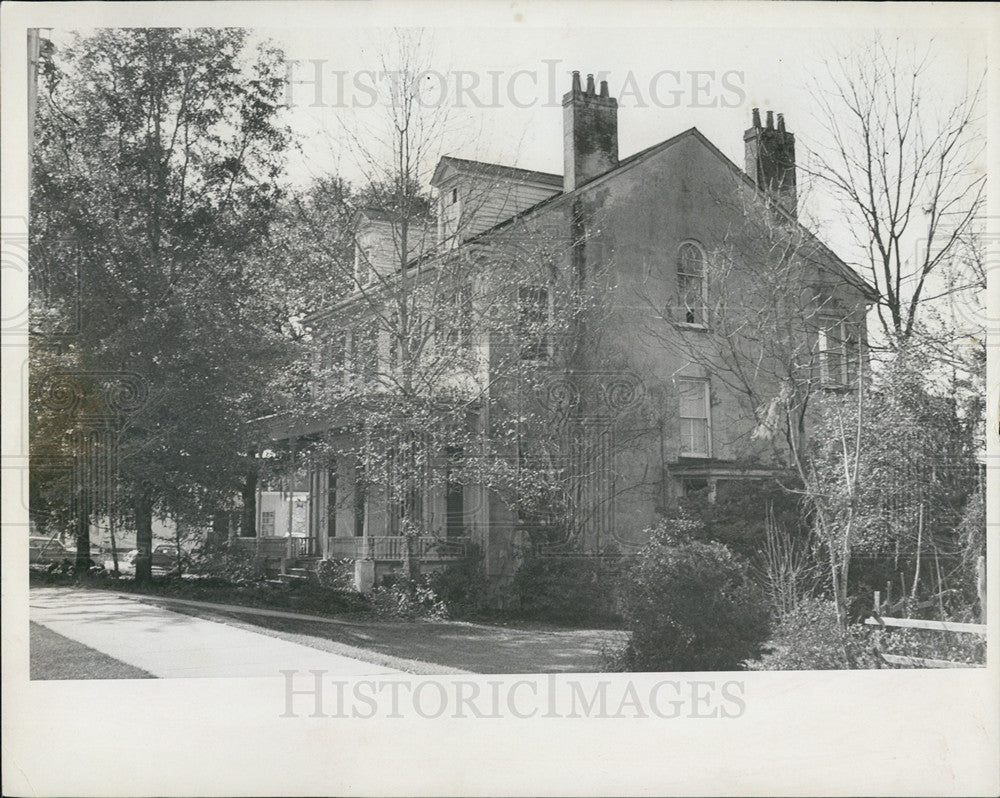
507	646
53	656
474	647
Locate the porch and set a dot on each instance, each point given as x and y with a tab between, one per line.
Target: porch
379	548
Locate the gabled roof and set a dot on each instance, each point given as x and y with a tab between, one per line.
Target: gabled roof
495	170
630	162
637	158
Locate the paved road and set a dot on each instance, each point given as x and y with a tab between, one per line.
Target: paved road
168	644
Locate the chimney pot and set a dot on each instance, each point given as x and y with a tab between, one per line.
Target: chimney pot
590	133
756	117
770	120
781	123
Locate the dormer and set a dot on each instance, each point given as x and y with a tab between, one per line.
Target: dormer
474	196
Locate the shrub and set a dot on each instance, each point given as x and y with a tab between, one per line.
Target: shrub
336	575
576	589
233	563
463	587
407	599
809	637
689	605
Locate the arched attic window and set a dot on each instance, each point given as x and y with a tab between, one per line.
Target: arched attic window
691	288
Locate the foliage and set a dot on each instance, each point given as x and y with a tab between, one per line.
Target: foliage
950	646
154	179
463	587
232	563
689	605
336	574
742	511
888	474
809	637
567	587
408	599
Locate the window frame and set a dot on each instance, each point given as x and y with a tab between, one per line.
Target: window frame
848	338
705	384
681	275
543	348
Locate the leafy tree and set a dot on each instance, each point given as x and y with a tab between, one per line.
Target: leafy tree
156	175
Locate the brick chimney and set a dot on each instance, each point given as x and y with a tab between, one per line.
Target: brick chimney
590	133
770	159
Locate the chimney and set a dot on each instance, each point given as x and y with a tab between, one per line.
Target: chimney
770	159
590	132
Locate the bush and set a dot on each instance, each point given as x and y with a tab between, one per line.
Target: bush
810	638
463	587
231	562
689	605
574	589
336	575
407	599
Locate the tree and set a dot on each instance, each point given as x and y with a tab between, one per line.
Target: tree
890	472
155	175
909	177
435	358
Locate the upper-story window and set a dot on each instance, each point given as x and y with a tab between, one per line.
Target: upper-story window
535	307
455	322
695	415
839	347
691	284
454	196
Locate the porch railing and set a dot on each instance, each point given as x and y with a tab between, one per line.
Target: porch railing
393	548
277	547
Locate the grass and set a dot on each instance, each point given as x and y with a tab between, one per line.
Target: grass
510	646
473	647
53	656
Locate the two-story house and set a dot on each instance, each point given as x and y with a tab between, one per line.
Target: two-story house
702	317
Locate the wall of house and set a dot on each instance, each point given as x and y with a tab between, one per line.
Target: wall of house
635	221
483	201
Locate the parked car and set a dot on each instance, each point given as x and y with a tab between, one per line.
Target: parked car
162	557
45	551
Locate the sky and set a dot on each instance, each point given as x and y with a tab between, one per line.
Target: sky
671	67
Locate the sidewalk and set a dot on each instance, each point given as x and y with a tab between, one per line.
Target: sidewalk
170	645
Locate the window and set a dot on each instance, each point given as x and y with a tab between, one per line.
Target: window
691	284
454	512
536	312
839	345
362	267
331	498
332	360
364	353
360	493
454	196
695	418
267	524
455	322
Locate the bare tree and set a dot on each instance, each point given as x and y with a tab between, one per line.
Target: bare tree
446	331
908	175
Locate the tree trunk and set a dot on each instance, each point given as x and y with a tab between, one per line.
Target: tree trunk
144	536
248	519
82	564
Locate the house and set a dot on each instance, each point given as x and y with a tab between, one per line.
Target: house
670	308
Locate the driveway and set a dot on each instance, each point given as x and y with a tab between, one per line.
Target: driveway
167	644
